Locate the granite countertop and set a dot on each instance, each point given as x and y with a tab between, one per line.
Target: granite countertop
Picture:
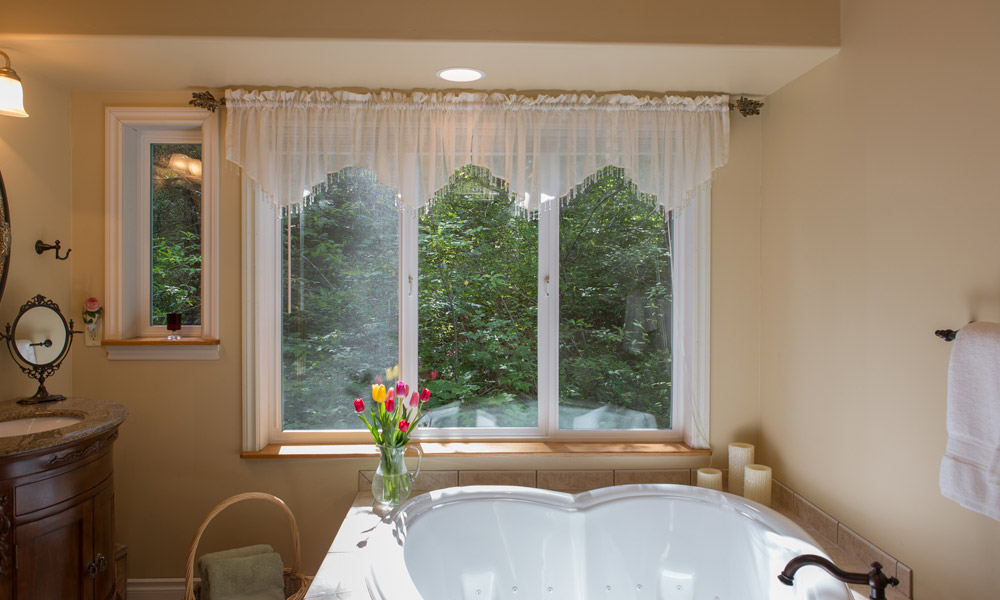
98	417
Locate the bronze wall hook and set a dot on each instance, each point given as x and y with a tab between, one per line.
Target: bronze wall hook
41	247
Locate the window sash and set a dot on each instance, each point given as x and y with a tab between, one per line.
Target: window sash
144	232
262	334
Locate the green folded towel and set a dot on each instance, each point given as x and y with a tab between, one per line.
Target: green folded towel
258	577
216	557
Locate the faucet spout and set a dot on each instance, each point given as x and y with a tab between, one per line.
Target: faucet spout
875	579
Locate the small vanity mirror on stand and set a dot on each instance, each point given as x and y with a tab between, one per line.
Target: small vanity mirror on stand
39	341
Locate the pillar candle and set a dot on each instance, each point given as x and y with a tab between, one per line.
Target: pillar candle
710	478
740	455
757	484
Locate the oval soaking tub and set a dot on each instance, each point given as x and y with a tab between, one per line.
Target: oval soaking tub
635	542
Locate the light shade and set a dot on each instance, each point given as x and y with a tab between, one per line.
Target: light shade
11	94
461	74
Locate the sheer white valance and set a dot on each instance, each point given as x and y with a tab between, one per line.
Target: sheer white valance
542	146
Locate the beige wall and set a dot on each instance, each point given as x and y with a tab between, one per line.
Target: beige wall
35	162
880	224
178	453
764	22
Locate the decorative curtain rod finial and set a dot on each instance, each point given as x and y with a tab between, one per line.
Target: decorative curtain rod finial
206	100
746	106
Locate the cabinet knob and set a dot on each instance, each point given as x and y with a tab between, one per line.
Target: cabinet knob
102	563
91	570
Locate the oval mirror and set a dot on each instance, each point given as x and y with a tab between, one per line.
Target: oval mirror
4	237
38	341
39	335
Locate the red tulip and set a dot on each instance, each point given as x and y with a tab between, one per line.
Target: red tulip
404	425
425	395
414	399
390	403
402	389
434	375
359	404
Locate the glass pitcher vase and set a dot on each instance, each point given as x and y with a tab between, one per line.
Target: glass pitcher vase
392	482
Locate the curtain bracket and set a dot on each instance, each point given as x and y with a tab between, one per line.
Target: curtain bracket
208	101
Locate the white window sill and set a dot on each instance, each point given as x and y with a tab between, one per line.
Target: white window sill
162	349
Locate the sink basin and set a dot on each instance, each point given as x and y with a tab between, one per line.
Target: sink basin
35	425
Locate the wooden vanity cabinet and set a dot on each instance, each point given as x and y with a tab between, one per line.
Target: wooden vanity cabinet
57	522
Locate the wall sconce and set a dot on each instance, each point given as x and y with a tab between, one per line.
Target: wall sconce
11	94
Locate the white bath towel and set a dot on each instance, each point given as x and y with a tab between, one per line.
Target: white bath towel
26	350
970	470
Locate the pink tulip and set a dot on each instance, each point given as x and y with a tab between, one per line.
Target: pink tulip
425	395
404	425
359	404
390	394
434	375
414	399
379	380
402	390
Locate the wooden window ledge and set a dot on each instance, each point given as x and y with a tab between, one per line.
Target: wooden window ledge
469	449
190	348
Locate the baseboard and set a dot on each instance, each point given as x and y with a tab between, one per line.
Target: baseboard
155	589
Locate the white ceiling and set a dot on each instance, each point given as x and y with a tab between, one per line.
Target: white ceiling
172	63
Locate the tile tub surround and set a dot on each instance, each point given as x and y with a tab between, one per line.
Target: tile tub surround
342	574
847	549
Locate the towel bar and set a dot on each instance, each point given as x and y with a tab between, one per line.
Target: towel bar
947	335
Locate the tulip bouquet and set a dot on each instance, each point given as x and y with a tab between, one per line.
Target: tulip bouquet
396	413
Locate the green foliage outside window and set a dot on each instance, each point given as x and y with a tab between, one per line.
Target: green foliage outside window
478	304
340	299
614	306
175	249
478	310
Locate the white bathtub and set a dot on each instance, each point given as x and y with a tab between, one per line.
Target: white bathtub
640	542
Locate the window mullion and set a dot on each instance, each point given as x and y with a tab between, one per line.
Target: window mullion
548	318
408	296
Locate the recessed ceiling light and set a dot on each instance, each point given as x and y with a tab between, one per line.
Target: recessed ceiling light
461	74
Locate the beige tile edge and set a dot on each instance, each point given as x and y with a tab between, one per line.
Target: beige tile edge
853	544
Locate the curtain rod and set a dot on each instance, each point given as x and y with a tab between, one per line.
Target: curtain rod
747	106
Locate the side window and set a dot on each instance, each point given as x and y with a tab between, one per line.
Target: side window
162	233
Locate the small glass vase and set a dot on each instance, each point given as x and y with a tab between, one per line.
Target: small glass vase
392	482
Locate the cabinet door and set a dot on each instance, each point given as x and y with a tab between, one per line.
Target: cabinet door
53	553
104	544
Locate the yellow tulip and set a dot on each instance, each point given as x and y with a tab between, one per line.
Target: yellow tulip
392	373
378	393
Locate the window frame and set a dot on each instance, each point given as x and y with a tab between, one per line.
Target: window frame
128	132
262	334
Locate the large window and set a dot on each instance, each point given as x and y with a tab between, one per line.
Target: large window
555	324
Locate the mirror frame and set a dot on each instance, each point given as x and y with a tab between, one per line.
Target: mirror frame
4	225
43	371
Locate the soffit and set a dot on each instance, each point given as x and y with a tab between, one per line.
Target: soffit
171	63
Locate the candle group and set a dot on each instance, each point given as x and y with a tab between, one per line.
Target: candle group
746	478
